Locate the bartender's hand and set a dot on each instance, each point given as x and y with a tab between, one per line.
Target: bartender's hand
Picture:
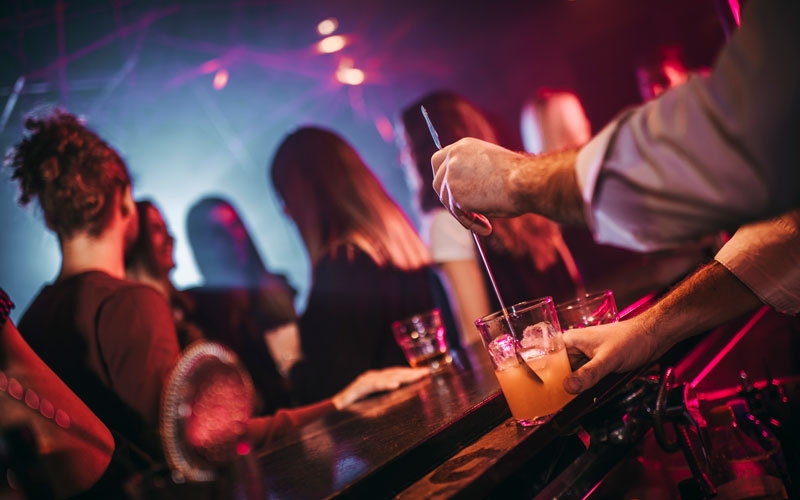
372	381
478	177
473	177
616	347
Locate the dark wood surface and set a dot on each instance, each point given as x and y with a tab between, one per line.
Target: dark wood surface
477	469
448	434
385	443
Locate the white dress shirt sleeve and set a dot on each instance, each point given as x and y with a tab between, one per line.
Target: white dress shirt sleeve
711	154
765	256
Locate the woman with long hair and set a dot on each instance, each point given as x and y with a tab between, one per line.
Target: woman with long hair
369	267
241	303
527	254
234	317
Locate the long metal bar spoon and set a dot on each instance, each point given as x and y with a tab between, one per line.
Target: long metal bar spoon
478	244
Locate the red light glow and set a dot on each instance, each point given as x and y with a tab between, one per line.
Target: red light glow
210	66
735	11
242	448
220	79
385	128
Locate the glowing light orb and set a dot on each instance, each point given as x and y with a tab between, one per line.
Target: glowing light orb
331	44
242	448
221	79
350	76
327	26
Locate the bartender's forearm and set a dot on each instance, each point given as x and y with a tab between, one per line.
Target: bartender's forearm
705	300
547	185
477	177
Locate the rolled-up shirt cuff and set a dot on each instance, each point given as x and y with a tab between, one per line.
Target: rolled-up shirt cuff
592	157
766	257
588	165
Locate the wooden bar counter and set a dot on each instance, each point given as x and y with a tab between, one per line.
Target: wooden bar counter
452	436
384	443
454	424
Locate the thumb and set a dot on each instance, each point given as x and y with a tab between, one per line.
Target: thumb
586	376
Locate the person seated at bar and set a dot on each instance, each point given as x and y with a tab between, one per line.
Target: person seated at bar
241	304
369	266
283	421
527	254
110	340
707	155
150	261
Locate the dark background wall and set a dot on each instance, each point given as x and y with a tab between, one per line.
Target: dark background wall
141	73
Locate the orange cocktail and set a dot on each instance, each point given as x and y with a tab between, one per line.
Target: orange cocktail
529	399
529	359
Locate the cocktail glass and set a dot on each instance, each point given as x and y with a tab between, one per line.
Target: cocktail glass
529	359
592	309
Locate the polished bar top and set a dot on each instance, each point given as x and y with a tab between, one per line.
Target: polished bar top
384	443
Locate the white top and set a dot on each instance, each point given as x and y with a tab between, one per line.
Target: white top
709	154
765	256
448	240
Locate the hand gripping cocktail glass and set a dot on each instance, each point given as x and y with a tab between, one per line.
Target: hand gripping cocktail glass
423	340
529	359
592	309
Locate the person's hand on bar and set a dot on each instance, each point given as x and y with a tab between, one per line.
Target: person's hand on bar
478	177
372	381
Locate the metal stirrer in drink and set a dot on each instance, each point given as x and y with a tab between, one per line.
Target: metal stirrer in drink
474	235
532	374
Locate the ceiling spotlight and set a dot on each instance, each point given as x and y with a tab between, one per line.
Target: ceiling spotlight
331	44
327	26
350	76
220	79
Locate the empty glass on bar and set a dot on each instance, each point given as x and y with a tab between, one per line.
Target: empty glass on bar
423	341
529	359
592	309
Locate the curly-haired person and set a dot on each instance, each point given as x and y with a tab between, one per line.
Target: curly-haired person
112	341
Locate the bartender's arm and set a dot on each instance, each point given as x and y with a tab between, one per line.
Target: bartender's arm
708	298
761	263
707	155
